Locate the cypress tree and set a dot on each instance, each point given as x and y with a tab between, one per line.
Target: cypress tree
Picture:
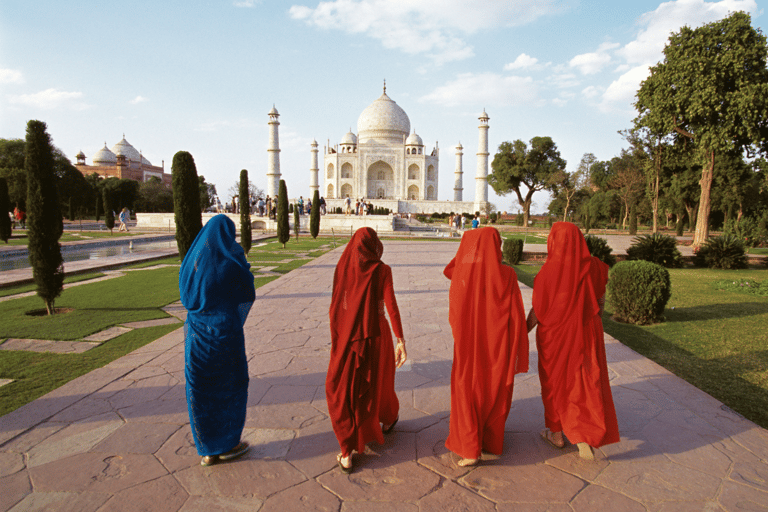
186	201
283	229
296	221
633	220
71	210
98	206
44	222
5	207
314	215
245	213
109	215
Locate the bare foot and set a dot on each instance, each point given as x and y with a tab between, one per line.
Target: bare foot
467	462
586	452
345	463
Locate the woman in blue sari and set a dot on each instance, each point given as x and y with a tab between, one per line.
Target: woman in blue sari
217	290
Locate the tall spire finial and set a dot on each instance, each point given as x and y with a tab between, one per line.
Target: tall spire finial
385	86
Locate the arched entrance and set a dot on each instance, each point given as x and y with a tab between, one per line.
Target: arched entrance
380	177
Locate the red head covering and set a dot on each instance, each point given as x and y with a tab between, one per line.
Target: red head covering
570	280
354	311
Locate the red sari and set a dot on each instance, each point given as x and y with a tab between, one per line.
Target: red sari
360	384
572	367
490	343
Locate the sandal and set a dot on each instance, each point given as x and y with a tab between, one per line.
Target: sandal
389	428
209	460
467	462
235	452
548	436
585	451
345	469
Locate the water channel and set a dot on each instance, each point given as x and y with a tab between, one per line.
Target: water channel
18	259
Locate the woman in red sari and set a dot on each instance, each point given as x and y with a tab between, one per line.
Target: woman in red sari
490	345
360	384
568	300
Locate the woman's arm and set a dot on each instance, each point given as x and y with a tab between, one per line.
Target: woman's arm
531	321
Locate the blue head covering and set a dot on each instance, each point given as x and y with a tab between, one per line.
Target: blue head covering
215	278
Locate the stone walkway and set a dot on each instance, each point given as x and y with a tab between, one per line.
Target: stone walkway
118	438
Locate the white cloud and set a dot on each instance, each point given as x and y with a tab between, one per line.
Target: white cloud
436	28
592	63
138	99
11	76
49	99
622	91
484	89
590	92
245	3
522	61
668	18
564	80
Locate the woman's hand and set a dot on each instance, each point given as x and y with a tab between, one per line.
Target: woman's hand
531	321
400	354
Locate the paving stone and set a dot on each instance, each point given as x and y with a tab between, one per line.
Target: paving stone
594	497
306	496
55	347
753	474
151	323
108	334
432	453
74	439
240	478
314	449
179	452
537	483
685	506
407	481
533	507
267	443
96	472
208	504
11	463
648	481
61	502
14	488
135	438
165	493
173	412
372	506
734	496
264	364
689	448
453	498
85	408
3	382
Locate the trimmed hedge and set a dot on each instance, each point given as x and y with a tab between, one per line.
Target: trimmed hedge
512	251
639	291
656	248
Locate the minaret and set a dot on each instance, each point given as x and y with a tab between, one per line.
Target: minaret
481	179
273	162
313	171
459	173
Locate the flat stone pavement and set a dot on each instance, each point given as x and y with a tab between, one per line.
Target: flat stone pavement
118	438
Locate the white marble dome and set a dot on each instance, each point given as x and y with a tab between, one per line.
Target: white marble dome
349	138
129	152
104	157
414	140
383	120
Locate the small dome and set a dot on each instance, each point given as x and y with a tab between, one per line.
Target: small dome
349	138
414	140
80	155
104	156
273	112
383	120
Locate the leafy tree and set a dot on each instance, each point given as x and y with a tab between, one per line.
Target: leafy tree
711	91
109	213
253	190
5	207
296	221
515	165
568	184
44	222
186	201
245	214
283	228
314	215
627	180
207	193
154	196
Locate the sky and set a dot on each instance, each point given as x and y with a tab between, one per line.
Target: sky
201	76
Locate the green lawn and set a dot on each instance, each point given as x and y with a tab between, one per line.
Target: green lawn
19	237
138	295
714	339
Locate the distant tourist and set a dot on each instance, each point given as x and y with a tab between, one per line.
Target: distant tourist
475	222
490	345
568	301
322	205
348	203
360	384
21	216
301	205
216	287
124	218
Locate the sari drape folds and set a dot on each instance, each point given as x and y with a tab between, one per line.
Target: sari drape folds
490	343
573	371
360	383
217	290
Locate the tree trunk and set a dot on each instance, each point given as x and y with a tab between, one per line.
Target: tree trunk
655	204
705	203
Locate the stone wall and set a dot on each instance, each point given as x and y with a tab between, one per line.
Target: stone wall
398	206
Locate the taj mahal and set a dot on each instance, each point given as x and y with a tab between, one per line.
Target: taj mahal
385	163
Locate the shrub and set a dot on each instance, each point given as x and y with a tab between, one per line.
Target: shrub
245	214
5	207
512	250
109	215
599	248
679	226
314	215
638	291
296	221
494	217
283	228
656	248
519	220
725	252
186	201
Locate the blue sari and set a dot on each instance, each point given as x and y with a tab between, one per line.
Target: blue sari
217	290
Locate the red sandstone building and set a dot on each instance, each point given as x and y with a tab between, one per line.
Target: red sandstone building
124	162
